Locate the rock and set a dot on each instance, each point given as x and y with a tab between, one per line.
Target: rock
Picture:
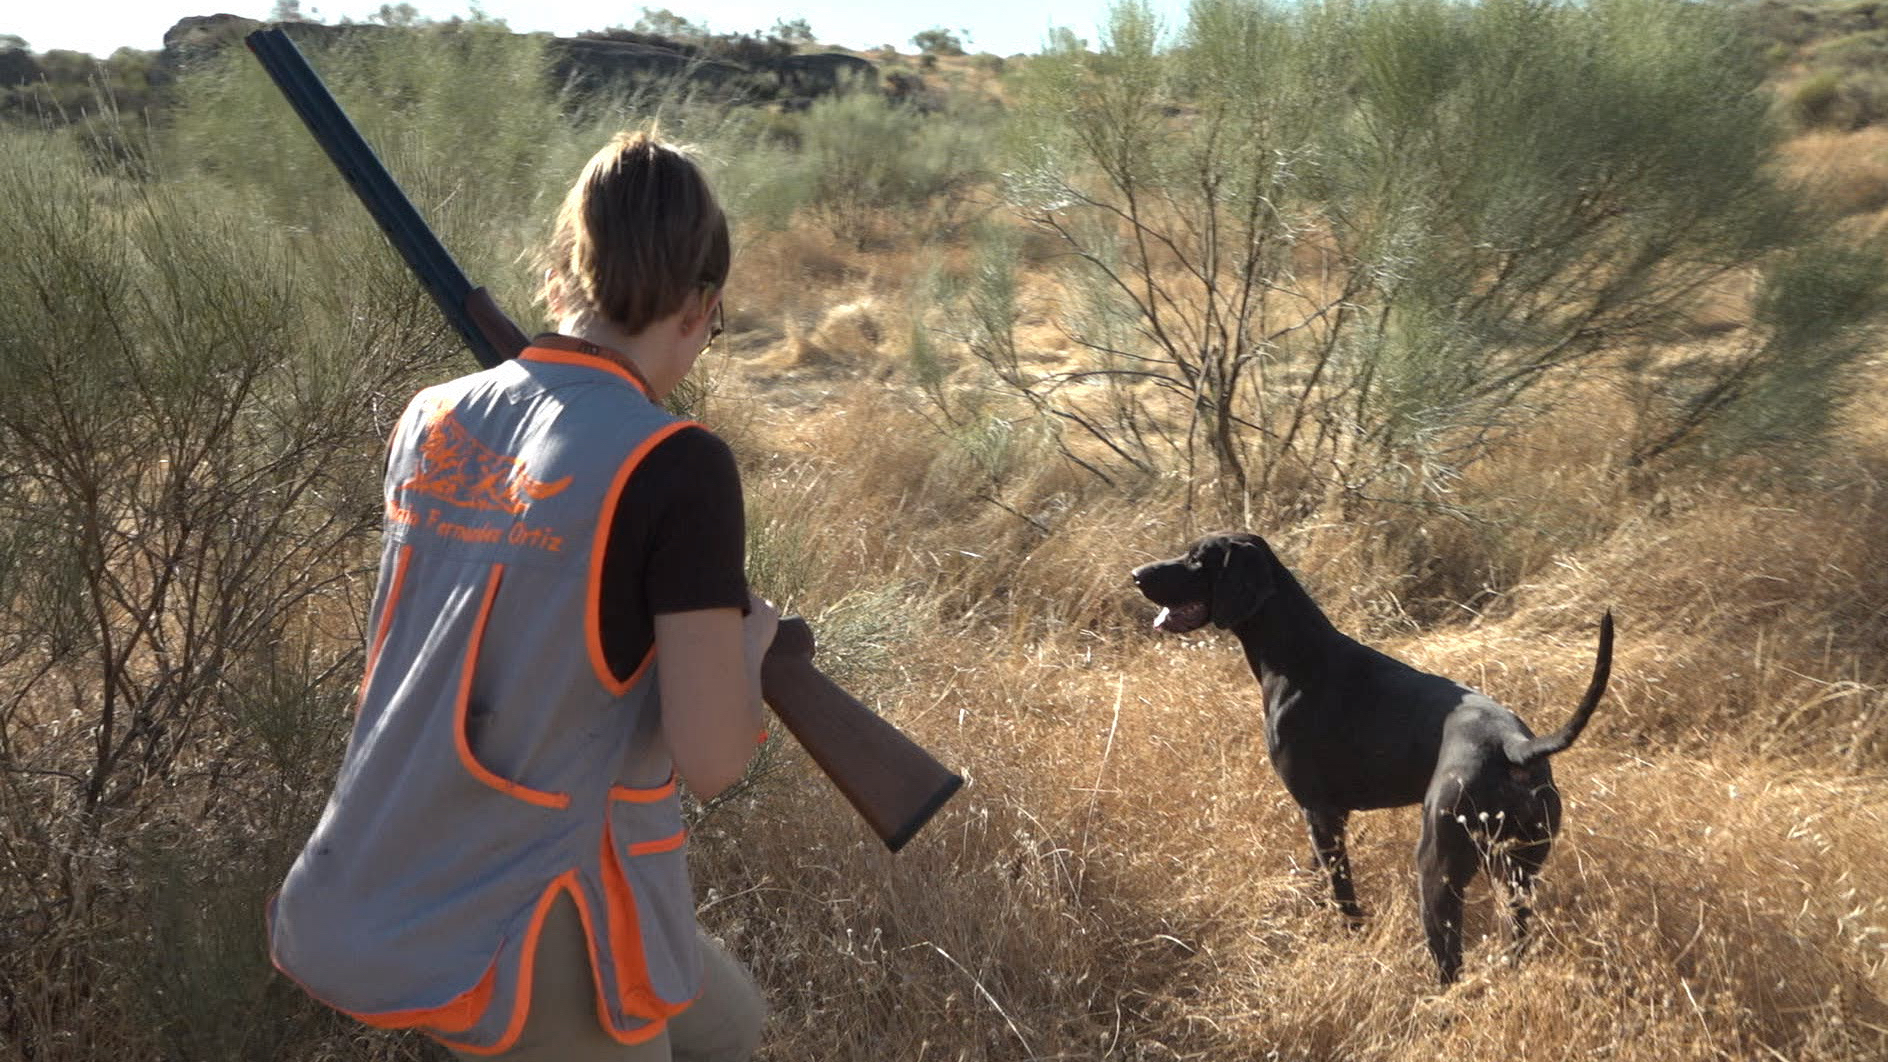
596	65
752	68
823	73
18	67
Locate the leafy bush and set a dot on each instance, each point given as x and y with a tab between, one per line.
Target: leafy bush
1817	100
202	368
186	503
1865	50
1360	243
67	86
860	155
938	41
1839	99
461	115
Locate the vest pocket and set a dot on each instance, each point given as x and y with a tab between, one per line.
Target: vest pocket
652	907
646	821
461	712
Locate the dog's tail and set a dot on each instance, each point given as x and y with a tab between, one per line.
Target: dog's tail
1522	753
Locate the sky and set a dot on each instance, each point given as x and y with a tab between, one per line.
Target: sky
1005	27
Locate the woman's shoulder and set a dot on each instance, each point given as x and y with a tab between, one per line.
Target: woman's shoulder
695	444
691	460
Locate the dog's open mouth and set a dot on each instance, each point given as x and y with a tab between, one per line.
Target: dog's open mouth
1180	619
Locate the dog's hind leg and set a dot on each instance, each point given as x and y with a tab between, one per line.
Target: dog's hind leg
1521	850
1327	845
1446	858
1518	865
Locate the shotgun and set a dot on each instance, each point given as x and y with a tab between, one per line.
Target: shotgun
893	783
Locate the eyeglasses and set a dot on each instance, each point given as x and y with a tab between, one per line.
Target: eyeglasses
720	322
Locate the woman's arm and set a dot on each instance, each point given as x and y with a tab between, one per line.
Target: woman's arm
708	673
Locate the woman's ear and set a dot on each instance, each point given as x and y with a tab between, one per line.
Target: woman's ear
710	298
696	312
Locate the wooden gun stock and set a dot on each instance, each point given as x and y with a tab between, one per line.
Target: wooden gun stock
893	783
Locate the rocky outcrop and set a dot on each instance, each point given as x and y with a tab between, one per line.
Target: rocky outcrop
822	73
596	63
593	65
18	67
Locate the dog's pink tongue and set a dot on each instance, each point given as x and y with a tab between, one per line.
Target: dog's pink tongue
1160	621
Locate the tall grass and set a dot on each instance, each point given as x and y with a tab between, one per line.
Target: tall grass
201	367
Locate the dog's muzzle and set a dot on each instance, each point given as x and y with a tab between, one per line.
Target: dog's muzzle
1180	619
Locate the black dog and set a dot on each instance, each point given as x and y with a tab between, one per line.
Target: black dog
1350	729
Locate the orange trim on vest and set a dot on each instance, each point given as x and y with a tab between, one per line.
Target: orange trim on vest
665	844
650	1029
521	1006
636	995
593	625
386	622
588	361
478	770
457	1014
644	796
462	1013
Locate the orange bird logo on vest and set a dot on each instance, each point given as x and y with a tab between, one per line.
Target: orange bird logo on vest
457	469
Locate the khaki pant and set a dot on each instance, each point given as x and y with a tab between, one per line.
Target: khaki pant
723	1024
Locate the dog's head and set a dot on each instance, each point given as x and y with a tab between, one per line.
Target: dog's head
1224	578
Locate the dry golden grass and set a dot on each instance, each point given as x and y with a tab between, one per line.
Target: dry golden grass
1125	878
1848	168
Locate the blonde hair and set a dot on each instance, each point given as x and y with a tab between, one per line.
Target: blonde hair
637	236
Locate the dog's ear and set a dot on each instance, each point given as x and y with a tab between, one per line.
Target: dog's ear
1242	579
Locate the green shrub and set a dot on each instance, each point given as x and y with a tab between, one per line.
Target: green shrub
938	41
861	155
188	445
1865	50
1816	101
462	116
468	123
1361	242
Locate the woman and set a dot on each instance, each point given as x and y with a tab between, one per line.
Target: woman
561	627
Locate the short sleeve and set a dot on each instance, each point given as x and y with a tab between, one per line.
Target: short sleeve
697	554
678	543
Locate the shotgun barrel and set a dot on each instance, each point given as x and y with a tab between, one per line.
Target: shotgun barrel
893	783
405	229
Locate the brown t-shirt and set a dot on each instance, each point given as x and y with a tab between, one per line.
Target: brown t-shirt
678	543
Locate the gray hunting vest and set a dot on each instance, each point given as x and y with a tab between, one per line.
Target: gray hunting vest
496	760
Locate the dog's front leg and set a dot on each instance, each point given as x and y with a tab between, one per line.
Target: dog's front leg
1327	846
